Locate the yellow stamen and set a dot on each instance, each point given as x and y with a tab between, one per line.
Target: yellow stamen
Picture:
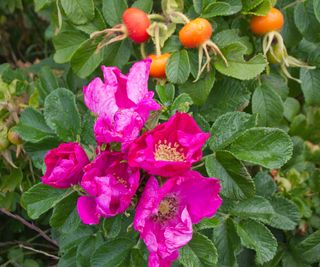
165	151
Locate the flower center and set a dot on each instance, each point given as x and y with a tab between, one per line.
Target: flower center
120	180
167	151
167	209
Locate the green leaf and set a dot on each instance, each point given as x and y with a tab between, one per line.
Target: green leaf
200	252
182	103
66	43
228	127
137	258
85	250
257	208
40	4
197	4
48	82
227	242
8	183
68	259
62	115
308	249
236	181
86	58
227	95
291	108
87	133
166	93
32	126
250	4
268	104
112	226
261	10
239	68
310	86
225	8
286	214
316	8
265	186
78	11
200	90
268	147
112	253
40	198
112	11
256	236
117	54
276	83
306	21
145	5
63	210
178	67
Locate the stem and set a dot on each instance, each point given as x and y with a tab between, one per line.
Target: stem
294	3
143	50
180	15
29	225
39	251
156	17
157	40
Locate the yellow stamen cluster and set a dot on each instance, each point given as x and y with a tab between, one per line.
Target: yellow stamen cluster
166	151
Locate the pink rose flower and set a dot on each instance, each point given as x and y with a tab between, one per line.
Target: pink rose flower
170	148
122	103
110	183
164	215
64	165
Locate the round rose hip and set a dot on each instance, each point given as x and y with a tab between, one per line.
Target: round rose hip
64	165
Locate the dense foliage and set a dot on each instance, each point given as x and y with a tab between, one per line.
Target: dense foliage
258	96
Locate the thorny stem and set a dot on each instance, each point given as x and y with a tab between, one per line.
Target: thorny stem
29	225
39	251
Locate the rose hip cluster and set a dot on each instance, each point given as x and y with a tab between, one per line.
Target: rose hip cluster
165	213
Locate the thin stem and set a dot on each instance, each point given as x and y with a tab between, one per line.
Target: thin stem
143	50
157	40
180	15
39	251
294	3
29	225
156	17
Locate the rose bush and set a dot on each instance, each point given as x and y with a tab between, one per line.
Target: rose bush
159	133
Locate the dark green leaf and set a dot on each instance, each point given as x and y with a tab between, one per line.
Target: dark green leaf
265	186
112	253
62	115
256	236
311	86
178	67
32	126
8	183
182	103
200	252
268	104
40	198
200	90
267	147
227	242
78	11
236	181
228	127
112	11
145	5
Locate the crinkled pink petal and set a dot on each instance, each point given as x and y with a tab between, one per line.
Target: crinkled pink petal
100	98
125	128
200	194
137	84
87	211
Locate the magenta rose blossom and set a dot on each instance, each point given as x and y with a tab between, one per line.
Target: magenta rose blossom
122	103
164	215
110	183
170	148
64	165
